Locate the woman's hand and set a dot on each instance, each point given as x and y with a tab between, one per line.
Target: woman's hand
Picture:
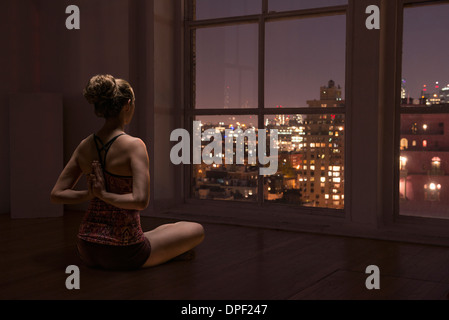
96	182
90	191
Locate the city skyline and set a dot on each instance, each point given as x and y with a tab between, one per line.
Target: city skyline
311	163
310	160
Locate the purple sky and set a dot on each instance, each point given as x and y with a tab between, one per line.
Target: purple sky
303	55
210	9
426	47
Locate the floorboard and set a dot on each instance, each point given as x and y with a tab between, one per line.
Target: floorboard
233	263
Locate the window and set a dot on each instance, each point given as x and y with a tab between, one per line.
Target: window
270	65
224	179
404	144
212	9
226	68
305	63
286	5
423	183
293	171
436	164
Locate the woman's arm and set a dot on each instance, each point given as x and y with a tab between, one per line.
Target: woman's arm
63	192
139	198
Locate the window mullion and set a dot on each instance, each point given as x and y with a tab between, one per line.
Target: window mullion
261	90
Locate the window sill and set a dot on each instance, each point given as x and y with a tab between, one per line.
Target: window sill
309	220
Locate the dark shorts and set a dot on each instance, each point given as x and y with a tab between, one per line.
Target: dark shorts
111	257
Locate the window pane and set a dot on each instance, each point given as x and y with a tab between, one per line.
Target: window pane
311	161
221	181
301	57
424	165
226	67
424	143
286	5
211	9
425	68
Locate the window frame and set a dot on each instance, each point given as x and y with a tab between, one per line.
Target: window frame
399	110
371	210
261	111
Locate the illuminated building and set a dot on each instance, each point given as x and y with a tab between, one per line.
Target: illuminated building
224	181
424	161
322	176
444	94
434	95
311	155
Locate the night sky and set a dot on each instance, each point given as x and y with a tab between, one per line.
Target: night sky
303	55
426	47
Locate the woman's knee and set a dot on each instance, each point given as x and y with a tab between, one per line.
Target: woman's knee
196	230
200	231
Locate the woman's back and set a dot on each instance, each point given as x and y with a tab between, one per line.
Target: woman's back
115	158
103	222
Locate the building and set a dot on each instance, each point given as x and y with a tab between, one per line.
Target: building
226	181
311	155
322	177
444	94
432	95
330	96
424	164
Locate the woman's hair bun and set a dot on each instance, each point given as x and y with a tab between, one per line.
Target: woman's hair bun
104	93
101	88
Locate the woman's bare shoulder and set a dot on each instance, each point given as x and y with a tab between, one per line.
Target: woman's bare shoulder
133	142
124	143
133	146
85	143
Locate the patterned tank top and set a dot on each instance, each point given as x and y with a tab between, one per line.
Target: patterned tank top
104	223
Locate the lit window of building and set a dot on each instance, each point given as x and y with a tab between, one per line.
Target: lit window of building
436	163
404	144
432	192
402	163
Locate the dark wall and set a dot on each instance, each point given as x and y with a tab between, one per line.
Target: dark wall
116	37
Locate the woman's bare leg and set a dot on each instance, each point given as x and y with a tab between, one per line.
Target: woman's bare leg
171	240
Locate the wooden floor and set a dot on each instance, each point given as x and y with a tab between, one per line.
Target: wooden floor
232	263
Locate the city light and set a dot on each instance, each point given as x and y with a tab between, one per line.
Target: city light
402	162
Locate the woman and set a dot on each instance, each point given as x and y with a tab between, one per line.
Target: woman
117	169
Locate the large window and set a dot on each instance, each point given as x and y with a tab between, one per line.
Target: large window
424	133
269	65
